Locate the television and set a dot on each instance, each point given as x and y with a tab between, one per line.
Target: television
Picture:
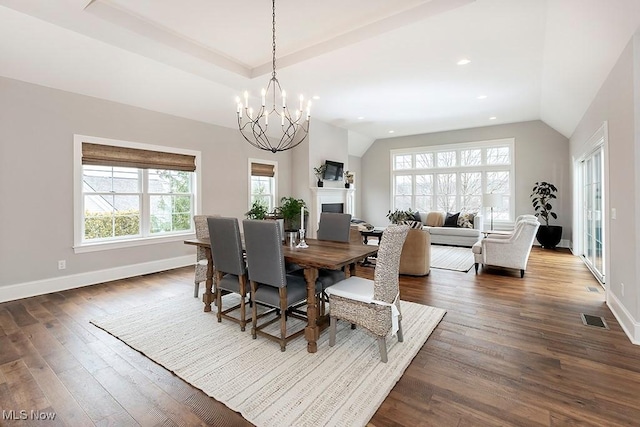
333	171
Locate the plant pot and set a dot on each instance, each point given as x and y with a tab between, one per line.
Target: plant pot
320	184
549	236
347	185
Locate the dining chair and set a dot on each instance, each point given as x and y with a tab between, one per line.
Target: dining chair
372	304
271	286
231	270
334	227
202	232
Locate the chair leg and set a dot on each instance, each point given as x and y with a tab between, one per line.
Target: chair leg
254	312
382	345
400	335
477	267
521	274
332	331
196	289
243	309
283	319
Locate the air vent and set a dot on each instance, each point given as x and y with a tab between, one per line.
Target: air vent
593	289
595	321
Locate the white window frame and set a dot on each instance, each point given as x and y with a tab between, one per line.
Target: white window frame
274	163
81	246
457	147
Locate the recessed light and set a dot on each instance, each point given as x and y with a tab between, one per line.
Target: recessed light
392	131
316	97
481	97
464	61
361	118
492	118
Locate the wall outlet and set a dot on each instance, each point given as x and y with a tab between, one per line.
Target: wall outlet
613	213
62	264
621	289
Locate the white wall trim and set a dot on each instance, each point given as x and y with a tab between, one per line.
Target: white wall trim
630	326
57	284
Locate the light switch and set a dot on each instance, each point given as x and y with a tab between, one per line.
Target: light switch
613	213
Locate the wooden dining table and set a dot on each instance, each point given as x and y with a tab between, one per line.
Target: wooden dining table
319	254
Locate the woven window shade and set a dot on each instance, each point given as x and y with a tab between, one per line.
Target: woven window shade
260	169
109	155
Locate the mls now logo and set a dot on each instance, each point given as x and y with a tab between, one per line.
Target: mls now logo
27	415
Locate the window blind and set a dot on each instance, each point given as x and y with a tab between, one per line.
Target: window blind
109	155
261	169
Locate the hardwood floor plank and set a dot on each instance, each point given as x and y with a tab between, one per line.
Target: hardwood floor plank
509	351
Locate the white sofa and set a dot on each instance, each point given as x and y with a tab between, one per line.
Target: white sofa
434	221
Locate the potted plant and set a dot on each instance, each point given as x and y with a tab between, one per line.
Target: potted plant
541	197
348	179
257	211
289	210
319	173
399	216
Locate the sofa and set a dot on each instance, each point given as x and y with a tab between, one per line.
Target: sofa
457	229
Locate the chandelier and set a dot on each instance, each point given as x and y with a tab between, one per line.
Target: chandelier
253	124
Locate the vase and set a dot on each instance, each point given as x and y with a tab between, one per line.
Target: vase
549	236
320	183
347	185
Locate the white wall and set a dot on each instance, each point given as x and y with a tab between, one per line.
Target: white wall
37	125
541	154
618	103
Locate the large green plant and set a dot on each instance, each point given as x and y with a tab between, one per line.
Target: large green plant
289	210
258	211
542	195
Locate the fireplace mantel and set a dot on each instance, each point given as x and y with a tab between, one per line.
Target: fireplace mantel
321	195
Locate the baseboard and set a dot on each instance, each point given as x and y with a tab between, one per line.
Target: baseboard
629	325
56	284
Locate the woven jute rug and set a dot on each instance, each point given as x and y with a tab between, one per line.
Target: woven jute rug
338	386
451	258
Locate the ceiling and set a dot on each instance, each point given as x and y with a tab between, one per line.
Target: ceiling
378	70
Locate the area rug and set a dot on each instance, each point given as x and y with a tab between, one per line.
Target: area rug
451	258
341	385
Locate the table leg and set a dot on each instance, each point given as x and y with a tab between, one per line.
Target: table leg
207	296
311	332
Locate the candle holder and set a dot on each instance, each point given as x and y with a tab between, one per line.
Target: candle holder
302	243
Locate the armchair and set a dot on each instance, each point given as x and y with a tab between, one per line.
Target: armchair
509	251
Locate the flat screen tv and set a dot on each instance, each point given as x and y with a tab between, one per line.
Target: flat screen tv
333	171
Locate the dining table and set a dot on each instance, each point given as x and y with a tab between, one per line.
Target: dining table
320	254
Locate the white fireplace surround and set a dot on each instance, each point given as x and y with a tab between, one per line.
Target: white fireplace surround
322	195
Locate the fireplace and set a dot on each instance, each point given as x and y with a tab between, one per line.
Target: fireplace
340	200
332	207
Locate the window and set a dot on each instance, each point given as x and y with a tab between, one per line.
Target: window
128	194
262	183
454	177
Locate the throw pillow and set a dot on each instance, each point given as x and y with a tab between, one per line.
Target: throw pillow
451	220
412	224
465	220
416	216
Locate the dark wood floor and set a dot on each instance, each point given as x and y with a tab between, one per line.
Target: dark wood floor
509	351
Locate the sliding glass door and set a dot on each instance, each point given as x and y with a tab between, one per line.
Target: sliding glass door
592	213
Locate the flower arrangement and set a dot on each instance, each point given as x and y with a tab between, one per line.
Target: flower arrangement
348	177
319	171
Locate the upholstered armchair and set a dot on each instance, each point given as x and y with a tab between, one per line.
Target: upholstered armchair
508	251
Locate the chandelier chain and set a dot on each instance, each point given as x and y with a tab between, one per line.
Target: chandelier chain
273	31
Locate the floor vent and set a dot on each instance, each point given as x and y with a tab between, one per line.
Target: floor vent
593	289
594	321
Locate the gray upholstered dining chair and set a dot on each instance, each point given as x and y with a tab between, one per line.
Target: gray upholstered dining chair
270	285
335	227
231	270
373	304
202	232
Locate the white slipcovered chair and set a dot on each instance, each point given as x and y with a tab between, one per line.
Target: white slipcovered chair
508	251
